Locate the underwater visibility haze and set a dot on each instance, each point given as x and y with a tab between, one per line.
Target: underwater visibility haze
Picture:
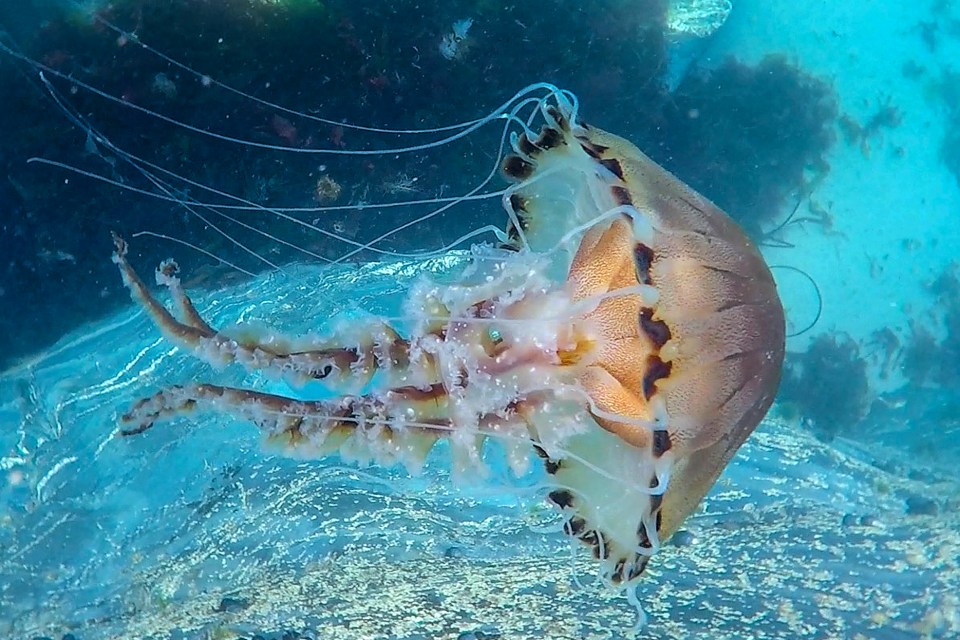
613	319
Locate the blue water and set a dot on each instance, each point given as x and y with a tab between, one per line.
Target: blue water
837	519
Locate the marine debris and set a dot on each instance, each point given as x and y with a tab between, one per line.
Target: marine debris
454	42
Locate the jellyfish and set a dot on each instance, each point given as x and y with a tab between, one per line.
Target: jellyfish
619	328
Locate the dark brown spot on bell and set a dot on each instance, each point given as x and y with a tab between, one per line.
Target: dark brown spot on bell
516	167
618	571
513	236
561	497
601	549
513	233
656	330
604	545
642	261
661	442
526	147
549	138
552	466
574	526
613	166
522	219
655	500
642	537
657	369
620	195
590	150
638	568
518	202
559	117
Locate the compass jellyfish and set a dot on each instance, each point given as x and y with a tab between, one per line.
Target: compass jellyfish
623	330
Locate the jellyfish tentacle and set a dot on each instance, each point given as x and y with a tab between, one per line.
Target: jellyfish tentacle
359	427
376	343
400	425
167	276
178	332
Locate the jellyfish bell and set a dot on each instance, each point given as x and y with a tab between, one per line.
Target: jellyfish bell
620	327
685	367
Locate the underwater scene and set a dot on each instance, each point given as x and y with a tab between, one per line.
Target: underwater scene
563	319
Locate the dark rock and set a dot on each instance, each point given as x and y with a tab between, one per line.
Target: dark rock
232	605
683	538
486	632
922	506
850	520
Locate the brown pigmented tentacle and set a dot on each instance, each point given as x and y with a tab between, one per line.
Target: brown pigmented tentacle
248	347
400	425
182	334
167	276
358	427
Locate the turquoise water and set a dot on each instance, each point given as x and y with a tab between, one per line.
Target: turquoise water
837	519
